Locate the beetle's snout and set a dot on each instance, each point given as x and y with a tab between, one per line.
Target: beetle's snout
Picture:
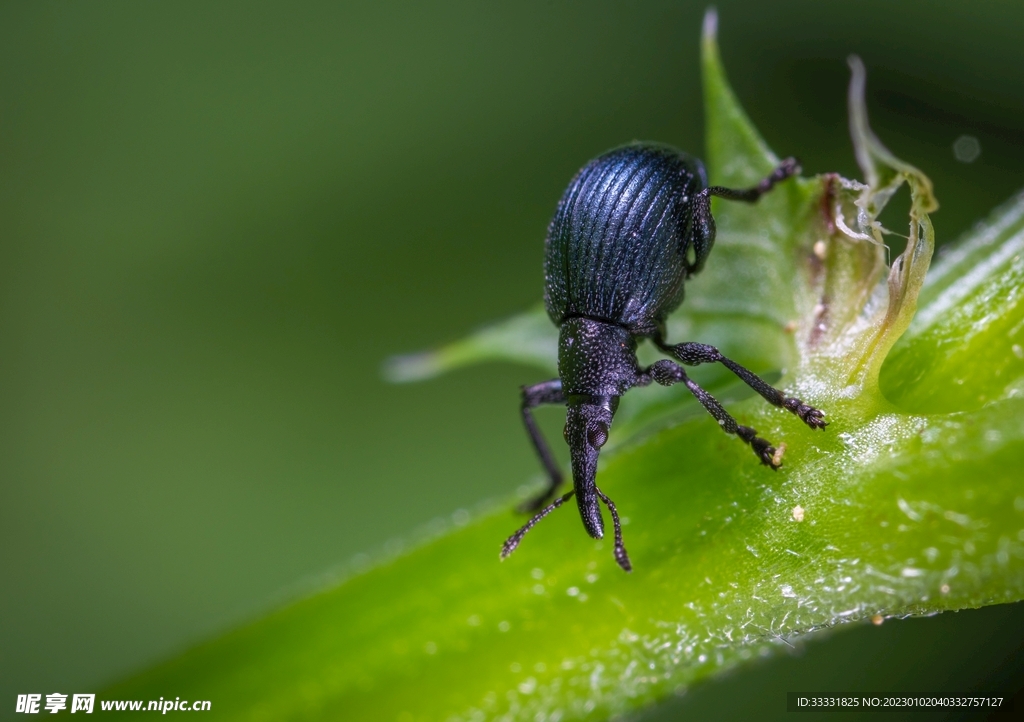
586	431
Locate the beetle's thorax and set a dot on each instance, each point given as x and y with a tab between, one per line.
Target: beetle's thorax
595	358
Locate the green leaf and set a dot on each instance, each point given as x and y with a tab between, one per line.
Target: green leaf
966	347
908	503
528	338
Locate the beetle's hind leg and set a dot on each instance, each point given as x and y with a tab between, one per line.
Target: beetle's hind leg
785	169
703	224
668	373
549	392
694	354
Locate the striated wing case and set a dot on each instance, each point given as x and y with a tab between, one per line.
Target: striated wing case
616	248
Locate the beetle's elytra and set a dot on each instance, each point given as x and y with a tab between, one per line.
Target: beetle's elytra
632	226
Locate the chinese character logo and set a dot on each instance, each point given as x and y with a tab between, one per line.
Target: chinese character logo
56	702
28	703
82	703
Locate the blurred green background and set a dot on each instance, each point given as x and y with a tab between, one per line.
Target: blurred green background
217	219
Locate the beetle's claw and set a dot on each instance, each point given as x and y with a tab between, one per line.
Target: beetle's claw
815	419
792	166
811	416
767	455
762	447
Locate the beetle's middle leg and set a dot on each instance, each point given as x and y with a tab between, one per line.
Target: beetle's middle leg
668	373
694	354
549	392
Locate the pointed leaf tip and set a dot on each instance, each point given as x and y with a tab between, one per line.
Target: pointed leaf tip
883	171
709	32
737	155
528	338
859	128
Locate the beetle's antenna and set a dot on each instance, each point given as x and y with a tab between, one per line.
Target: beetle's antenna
620	549
513	541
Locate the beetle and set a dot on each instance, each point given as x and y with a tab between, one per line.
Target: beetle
632	226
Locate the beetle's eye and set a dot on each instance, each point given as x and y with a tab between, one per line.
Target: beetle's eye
597	434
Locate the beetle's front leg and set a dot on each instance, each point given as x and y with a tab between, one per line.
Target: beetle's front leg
549	392
694	354
668	373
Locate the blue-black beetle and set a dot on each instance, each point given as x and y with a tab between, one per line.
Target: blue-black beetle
632	226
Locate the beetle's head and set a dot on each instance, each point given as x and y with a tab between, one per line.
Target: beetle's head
588	420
